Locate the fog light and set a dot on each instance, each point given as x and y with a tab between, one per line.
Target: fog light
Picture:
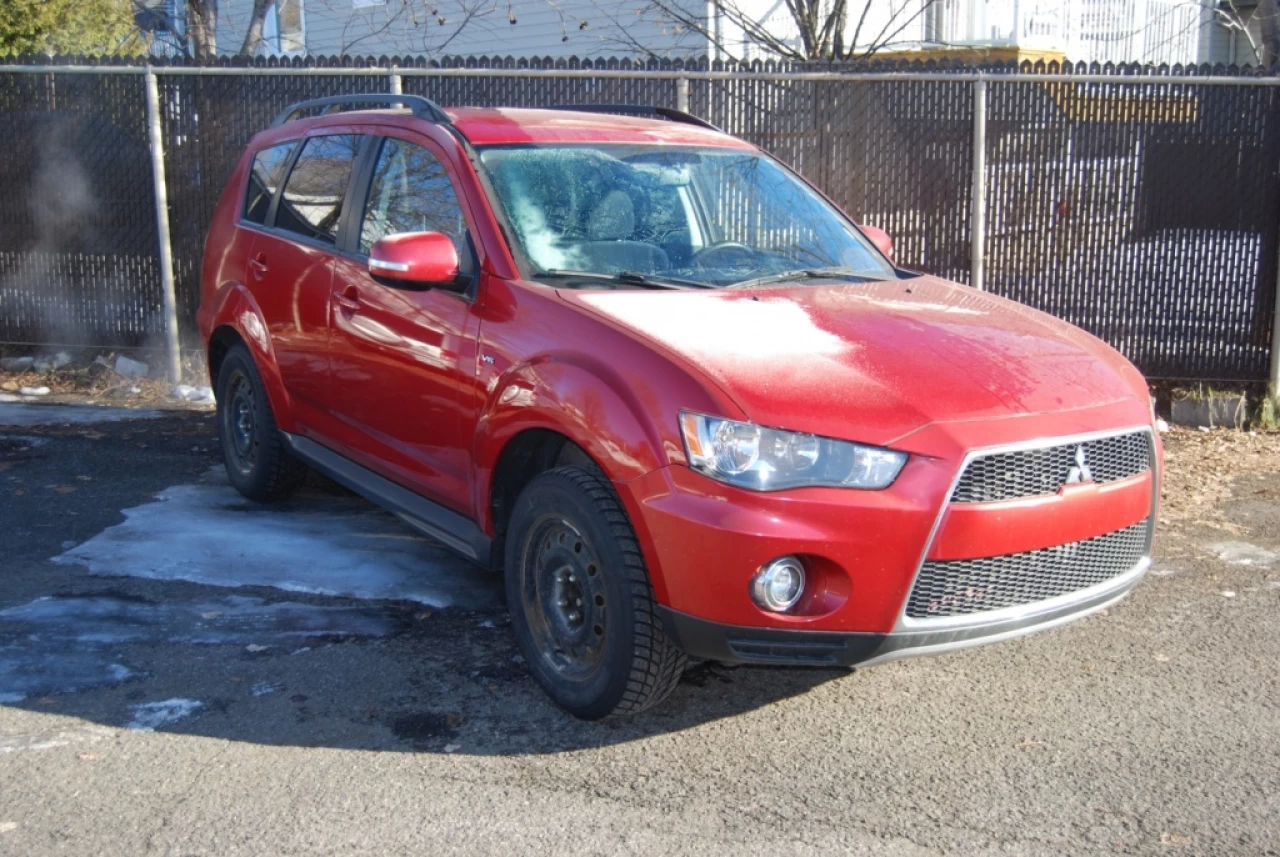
778	585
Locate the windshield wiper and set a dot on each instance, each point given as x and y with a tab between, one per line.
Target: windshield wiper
629	278
807	274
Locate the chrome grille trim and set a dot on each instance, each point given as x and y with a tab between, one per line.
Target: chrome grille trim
906	623
951	588
1038	471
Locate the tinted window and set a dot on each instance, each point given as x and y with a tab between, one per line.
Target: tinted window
311	204
264	178
411	192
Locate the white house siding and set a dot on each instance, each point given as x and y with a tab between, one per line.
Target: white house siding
556	28
1229	46
1154	31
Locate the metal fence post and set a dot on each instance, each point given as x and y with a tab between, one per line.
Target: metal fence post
978	205
682	94
397	82
156	136
1273	385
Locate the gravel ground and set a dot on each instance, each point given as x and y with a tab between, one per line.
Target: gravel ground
170	716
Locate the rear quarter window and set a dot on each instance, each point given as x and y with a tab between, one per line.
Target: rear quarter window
264	178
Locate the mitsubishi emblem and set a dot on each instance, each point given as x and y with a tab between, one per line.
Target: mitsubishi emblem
1080	471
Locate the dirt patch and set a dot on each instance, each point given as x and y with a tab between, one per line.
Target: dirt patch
1206	470
88	378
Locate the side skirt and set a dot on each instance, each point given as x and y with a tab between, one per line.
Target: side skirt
455	531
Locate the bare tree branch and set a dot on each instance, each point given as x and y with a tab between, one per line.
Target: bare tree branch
253	34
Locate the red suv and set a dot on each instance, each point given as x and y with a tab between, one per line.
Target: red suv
682	402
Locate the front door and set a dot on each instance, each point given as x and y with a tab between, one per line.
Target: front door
404	359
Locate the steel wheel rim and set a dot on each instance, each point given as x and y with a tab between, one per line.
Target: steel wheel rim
562	593
240	423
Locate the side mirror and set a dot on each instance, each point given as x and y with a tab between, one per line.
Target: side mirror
880	238
416	259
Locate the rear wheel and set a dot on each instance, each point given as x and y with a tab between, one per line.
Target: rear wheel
258	464
581	603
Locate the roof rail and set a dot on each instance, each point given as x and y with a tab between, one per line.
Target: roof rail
423	108
640	110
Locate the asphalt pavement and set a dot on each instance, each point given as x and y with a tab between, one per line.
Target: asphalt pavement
182	672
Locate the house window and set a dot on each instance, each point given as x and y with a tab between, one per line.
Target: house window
165	21
283	32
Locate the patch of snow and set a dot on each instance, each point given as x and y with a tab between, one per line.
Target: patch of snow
234	620
150	715
128	368
1162	426
1242	553
266	688
9	397
48	362
32	668
33	391
339	546
196	395
66	645
45	415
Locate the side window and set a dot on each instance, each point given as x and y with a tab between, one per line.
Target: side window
311	204
264	178
411	192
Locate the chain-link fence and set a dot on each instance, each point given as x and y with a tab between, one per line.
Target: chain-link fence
1140	204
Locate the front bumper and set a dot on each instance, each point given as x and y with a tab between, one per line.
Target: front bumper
755	645
703	541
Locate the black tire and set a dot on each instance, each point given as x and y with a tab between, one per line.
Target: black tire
570	549
257	462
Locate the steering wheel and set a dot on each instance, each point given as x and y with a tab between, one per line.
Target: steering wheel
702	257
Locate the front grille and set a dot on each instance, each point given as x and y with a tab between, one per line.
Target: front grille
960	587
1034	472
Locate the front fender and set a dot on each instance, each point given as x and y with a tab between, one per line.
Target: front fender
579	397
235	308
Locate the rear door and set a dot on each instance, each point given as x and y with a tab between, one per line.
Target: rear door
291	266
404	359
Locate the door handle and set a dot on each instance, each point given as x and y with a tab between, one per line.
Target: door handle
258	265
348	299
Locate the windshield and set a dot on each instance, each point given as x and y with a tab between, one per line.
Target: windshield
707	216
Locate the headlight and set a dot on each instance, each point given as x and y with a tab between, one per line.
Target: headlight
763	459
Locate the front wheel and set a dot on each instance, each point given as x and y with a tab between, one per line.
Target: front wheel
581	603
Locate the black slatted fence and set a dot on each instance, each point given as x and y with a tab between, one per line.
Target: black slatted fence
1145	210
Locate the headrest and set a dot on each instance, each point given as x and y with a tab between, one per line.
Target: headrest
613	219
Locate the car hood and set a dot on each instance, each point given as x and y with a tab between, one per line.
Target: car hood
875	361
